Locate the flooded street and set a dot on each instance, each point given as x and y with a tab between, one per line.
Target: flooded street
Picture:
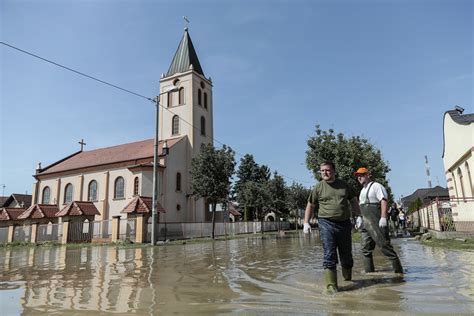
246	276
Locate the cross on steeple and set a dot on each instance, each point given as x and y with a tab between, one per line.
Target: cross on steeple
82	144
186	22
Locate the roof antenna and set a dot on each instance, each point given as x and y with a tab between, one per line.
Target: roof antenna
186	22
427	167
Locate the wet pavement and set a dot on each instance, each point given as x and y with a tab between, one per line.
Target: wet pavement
247	276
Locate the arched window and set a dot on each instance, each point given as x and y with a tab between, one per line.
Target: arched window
119	192
170	99
46	195
469	177
92	191
68	193
455	185
175	125
136	184
178	181
203	126
461	180
199	97
205	100
181	96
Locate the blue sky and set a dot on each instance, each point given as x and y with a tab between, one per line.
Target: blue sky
385	70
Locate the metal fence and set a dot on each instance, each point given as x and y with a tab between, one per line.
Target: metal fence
22	233
4	235
49	232
438	215
175	231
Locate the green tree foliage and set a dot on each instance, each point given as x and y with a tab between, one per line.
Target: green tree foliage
211	173
251	179
277	192
297	198
415	205
348	154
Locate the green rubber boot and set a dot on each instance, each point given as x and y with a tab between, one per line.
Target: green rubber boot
397	266
330	275
369	264
347	274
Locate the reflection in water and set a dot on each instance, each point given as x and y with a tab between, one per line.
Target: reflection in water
255	275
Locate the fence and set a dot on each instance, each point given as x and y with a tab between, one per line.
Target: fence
438	215
90	231
49	232
174	231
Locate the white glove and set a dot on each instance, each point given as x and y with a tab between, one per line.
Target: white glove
306	228
359	222
382	222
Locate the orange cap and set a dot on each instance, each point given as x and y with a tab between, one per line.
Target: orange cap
361	171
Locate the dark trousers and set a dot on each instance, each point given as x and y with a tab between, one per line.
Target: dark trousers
336	238
373	235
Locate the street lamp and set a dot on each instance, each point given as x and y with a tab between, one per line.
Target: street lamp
154	211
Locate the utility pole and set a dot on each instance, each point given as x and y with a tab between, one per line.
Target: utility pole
3	189
427	167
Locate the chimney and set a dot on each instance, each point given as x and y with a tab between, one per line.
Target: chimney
459	109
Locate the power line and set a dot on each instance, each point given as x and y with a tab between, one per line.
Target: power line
130	92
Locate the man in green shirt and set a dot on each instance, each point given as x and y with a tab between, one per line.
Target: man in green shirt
330	199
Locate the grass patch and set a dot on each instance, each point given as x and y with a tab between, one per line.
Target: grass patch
468	244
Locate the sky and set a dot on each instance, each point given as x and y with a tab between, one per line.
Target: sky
383	70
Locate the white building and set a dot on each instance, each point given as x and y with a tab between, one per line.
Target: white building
111	177
458	129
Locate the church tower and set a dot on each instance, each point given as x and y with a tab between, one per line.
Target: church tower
187	112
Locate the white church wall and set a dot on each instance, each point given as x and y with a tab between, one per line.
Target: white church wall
116	205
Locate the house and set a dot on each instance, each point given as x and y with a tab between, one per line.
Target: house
112	177
425	195
17	201
458	133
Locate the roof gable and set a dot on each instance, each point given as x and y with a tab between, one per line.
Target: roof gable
141	205
37	211
77	208
9	214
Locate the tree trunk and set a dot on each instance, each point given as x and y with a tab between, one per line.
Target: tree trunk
213	218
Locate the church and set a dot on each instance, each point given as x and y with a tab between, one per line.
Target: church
113	178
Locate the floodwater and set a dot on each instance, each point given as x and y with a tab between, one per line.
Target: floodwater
268	275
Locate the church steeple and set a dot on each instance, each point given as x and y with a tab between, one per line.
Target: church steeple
185	57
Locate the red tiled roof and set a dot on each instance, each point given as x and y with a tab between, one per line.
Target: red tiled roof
233	210
40	211
102	156
77	208
9	214
141	204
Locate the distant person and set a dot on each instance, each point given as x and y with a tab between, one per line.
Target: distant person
373	205
330	199
402	221
393	215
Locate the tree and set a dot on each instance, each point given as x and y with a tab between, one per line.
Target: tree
277	192
211	171
250	171
297	198
348	154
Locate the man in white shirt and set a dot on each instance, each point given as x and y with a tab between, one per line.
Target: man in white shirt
373	200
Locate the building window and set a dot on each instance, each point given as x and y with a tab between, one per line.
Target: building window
178	207
455	185
181	96
469	178
170	99
178	181
136	184
199	97
203	126
92	191
205	100
68	193
175	125
461	182
202	84
46	195
119	192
